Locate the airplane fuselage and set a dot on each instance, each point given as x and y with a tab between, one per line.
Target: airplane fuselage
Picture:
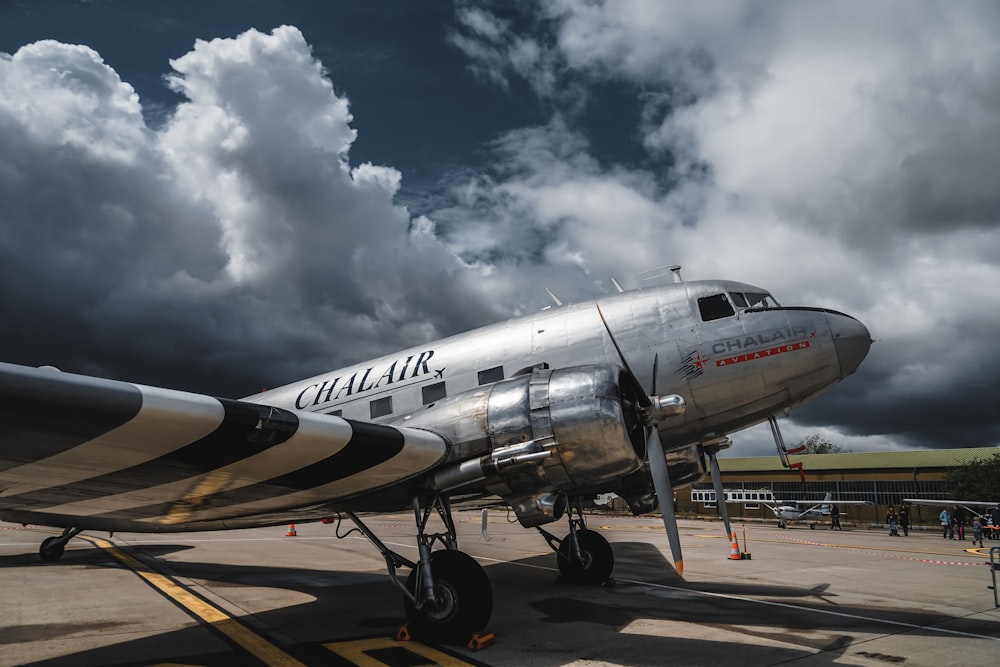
732	371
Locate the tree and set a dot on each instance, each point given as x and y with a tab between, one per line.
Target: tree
817	444
976	480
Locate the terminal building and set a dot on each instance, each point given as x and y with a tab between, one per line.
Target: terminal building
877	479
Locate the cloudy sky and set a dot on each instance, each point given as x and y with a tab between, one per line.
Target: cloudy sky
228	196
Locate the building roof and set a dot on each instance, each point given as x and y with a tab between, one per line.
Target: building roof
921	458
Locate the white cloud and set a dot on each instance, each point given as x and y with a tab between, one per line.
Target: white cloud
238	236
843	155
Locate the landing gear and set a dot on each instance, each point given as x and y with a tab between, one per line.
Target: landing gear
447	596
782	524
463	599
52	548
584	556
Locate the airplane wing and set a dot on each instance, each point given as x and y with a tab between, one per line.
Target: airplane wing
949	503
109	455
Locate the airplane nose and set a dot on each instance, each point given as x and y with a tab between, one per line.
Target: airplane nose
852	340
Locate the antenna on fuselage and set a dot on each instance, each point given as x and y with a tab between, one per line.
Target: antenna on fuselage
617	286
662	271
554	297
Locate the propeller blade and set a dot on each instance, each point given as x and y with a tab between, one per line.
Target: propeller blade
643	398
665	494
720	493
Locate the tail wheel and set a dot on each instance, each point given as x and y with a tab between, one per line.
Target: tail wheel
598	559
52	549
464	599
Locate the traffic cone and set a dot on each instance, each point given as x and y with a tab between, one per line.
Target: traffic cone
734	553
291	531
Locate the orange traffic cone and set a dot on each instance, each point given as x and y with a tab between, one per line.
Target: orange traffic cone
291	531
734	553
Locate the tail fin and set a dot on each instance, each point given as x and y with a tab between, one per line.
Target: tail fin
826	507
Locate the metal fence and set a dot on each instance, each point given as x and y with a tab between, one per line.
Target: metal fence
878	496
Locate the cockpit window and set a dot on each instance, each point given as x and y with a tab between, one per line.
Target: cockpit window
738	299
715	307
761	300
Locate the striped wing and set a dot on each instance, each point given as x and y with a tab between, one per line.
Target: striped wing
94	453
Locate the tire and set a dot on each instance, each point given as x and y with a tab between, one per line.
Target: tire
599	559
51	550
464	595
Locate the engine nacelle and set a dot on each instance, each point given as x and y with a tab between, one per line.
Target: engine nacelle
538	434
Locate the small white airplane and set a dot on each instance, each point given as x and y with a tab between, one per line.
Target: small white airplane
792	510
633	394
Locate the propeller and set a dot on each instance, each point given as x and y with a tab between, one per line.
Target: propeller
655	408
712	449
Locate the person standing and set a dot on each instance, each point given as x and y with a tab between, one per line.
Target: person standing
904	520
835	518
945	518
977	530
893	521
960	517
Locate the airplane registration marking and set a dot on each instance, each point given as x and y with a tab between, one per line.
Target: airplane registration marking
211	615
364	653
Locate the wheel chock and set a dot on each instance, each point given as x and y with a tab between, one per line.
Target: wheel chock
481	640
403	634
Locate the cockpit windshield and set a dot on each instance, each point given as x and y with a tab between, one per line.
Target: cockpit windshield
718	306
758	299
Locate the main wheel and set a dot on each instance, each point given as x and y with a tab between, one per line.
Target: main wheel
52	549
464	599
598	559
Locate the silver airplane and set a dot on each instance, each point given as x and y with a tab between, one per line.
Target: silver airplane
633	394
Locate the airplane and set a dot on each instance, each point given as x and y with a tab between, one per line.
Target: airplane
633	393
791	510
981	508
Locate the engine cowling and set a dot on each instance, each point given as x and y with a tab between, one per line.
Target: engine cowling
532	437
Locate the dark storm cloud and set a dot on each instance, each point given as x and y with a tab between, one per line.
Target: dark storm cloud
235	247
841	155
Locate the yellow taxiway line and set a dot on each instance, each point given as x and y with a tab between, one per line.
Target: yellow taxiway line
217	619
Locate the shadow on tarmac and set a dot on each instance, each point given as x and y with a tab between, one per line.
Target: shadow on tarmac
529	602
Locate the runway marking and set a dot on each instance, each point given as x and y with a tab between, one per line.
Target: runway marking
208	613
386	652
885	551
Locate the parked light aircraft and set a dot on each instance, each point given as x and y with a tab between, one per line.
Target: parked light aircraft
628	394
792	510
983	508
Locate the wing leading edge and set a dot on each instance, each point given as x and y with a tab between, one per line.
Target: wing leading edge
88	452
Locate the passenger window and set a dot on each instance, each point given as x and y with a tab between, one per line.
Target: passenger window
491	375
433	392
715	307
381	407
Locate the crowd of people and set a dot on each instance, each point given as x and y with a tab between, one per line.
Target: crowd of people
955	518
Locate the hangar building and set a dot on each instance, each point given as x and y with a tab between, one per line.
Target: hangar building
880	479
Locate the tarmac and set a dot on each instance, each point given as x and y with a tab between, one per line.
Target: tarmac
252	597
